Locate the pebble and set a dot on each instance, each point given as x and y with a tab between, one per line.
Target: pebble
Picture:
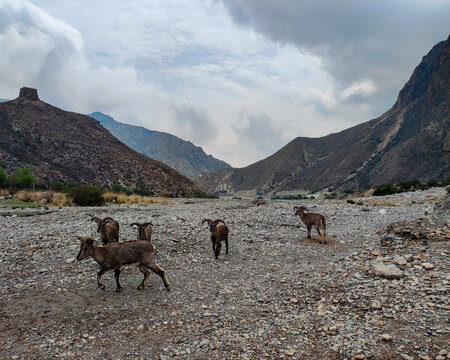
427	266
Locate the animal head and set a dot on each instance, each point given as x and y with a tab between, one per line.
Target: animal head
213	223
299	209
101	224
86	244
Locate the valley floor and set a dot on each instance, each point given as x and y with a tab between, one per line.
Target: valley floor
275	295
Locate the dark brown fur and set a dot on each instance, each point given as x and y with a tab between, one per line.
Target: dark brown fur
219	233
144	230
310	219
115	255
108	229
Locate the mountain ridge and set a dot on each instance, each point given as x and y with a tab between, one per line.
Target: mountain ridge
66	146
410	140
182	155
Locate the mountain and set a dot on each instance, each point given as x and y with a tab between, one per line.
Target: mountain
410	141
3	100
66	146
183	156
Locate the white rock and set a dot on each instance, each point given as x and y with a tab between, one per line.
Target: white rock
387	271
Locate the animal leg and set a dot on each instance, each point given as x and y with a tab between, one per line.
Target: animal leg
218	246
309	231
226	246
214	246
146	275
99	279
116	275
157	270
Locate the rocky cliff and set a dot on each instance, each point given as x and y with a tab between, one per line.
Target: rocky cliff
410	141
66	146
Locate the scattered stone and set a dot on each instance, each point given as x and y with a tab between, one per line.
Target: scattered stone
400	260
386	337
387	271
428	266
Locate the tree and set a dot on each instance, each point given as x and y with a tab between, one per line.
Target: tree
23	177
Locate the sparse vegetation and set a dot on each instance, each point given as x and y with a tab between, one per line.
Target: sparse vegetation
3	177
292	197
87	195
409	185
119	188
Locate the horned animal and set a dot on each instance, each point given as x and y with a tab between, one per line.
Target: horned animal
219	233
108	229
144	230
114	255
310	219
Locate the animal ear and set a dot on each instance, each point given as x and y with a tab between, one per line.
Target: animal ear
89	241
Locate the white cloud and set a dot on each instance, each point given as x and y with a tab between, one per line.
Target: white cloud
188	69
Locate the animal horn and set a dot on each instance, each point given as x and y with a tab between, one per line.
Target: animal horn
96	218
108	218
220	220
207	220
135	223
147	224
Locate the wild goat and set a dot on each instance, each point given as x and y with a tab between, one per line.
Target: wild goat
218	234
113	256
108	229
144	230
310	219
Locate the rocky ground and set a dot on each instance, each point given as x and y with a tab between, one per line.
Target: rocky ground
377	290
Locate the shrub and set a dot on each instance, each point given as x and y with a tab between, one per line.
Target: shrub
408	185
87	195
110	196
143	192
119	188
203	195
61	199
385	189
57	186
23	177
350	201
3	177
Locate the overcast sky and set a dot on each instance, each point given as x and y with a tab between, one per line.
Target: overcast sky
241	78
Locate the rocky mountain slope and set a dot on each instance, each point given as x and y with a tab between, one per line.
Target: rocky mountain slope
183	156
66	146
410	141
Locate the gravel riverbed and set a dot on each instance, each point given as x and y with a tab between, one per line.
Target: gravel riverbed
275	294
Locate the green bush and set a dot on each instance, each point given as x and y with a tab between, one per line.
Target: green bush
119	188
408	185
24	178
57	186
3	176
350	201
87	195
385	189
143	192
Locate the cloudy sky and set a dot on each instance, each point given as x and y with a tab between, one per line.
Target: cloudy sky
241	78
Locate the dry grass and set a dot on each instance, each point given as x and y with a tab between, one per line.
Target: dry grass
47	197
110	196
123	198
4	192
61	199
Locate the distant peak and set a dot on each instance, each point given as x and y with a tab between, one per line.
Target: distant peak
28	93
